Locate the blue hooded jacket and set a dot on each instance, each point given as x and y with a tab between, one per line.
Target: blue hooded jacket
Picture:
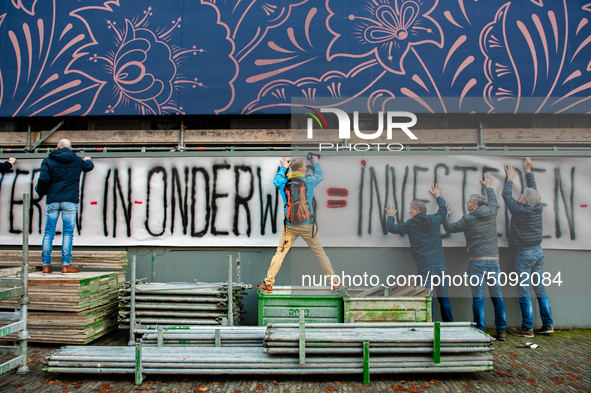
424	234
60	176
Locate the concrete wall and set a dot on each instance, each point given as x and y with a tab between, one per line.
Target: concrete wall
571	306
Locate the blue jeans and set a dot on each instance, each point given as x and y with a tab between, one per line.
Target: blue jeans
437	270
68	210
528	261
483	269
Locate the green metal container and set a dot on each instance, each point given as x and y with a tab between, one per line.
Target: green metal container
284	305
387	308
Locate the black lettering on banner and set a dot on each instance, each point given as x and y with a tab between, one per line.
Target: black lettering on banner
151	173
400	214
215	196
360	216
80	209
194	171
240	200
105	203
465	170
126	209
560	193
35	203
436	177
14	201
373	184
417	169
267	210
183	202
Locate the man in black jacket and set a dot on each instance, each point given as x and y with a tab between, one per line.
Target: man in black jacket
525	236
60	181
480	230
7	165
426	247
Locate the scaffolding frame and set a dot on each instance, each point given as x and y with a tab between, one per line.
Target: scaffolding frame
17	287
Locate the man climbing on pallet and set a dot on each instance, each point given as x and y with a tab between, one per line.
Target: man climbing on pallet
525	238
426	247
480	229
60	181
297	190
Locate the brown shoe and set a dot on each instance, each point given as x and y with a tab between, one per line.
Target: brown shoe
46	269
545	330
521	333
69	269
502	336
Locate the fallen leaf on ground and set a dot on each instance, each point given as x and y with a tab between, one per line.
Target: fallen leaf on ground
514	364
398	389
575	376
326	390
259	388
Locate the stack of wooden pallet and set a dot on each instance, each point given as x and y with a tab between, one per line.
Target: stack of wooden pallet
71	308
171	304
80	259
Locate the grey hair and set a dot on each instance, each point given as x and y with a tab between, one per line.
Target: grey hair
418	204
532	196
64	143
478	199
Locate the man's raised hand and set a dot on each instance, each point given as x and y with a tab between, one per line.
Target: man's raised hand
435	190
391	210
487	180
510	169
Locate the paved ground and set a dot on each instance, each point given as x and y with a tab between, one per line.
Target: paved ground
562	363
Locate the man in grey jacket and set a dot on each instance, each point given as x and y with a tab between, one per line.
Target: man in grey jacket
525	237
480	230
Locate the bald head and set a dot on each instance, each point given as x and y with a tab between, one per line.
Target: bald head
64	143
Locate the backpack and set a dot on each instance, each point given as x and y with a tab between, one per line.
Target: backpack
297	206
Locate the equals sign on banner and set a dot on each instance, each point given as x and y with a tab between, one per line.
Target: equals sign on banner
337	203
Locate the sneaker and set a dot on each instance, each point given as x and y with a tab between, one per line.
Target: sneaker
502	336
521	333
265	288
336	289
545	330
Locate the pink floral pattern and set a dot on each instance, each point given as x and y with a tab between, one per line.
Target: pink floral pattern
386	29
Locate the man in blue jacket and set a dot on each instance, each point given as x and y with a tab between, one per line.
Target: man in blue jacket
426	247
525	236
60	181
305	229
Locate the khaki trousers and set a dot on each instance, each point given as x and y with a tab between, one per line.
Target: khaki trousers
289	234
